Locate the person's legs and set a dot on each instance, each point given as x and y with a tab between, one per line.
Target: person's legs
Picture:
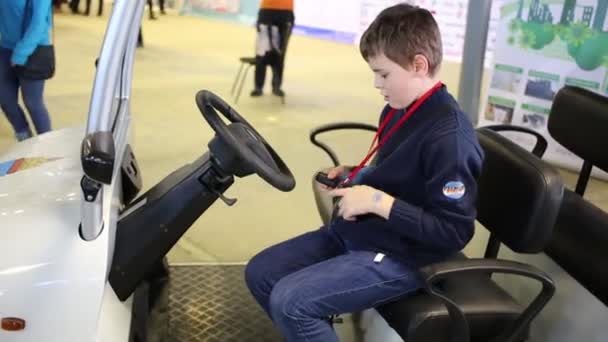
161	4
259	76
279	63
274	263
9	101
32	93
140	39
74	6
274	60
100	8
261	58
301	302
87	9
151	9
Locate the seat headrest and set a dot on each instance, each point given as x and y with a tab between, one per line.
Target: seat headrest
579	121
519	195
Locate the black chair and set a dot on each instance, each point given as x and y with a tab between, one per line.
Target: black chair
325	204
246	64
518	202
579	122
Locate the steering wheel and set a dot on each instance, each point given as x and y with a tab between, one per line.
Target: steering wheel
245	141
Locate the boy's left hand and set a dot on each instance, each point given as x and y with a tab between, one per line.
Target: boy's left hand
362	199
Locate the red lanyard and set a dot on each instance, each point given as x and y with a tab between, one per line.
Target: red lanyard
373	149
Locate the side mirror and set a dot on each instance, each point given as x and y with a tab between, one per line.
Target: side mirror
97	155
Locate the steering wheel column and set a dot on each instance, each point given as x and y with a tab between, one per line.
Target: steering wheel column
153	223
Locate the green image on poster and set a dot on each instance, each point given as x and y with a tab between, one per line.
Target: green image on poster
500	109
579	27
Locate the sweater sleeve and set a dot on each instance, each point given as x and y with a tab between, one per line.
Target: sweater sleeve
35	32
445	222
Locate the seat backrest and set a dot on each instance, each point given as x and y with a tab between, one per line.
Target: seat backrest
519	195
579	244
579	121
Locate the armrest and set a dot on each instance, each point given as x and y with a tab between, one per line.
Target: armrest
541	143
337	127
434	273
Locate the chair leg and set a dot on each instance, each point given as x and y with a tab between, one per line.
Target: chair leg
238	75
238	94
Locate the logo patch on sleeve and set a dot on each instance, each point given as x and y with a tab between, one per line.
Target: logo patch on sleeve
454	190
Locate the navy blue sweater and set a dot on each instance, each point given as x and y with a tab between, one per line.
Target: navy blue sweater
430	165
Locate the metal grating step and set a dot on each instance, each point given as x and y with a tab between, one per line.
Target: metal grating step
211	303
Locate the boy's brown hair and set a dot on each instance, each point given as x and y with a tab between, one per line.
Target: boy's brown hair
401	32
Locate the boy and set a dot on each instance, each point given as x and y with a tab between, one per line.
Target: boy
414	207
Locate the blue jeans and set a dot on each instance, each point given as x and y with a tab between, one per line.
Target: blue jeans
32	94
302	281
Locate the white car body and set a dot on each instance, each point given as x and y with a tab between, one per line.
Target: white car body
50	276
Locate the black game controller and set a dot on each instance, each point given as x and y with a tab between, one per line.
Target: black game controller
322	178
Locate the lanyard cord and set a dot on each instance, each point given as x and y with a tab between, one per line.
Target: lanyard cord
389	116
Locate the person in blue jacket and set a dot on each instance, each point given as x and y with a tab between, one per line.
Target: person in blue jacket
415	204
21	31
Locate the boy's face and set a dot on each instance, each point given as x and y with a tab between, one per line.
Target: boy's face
399	86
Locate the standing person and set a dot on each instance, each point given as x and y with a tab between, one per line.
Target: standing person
274	25
414	206
21	31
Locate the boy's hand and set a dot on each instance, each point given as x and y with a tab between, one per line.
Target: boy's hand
362	199
337	171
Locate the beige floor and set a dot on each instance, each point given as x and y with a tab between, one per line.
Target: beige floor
325	82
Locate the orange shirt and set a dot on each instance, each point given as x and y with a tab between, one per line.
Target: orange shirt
277	4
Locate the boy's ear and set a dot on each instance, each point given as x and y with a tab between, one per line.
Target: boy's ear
421	64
